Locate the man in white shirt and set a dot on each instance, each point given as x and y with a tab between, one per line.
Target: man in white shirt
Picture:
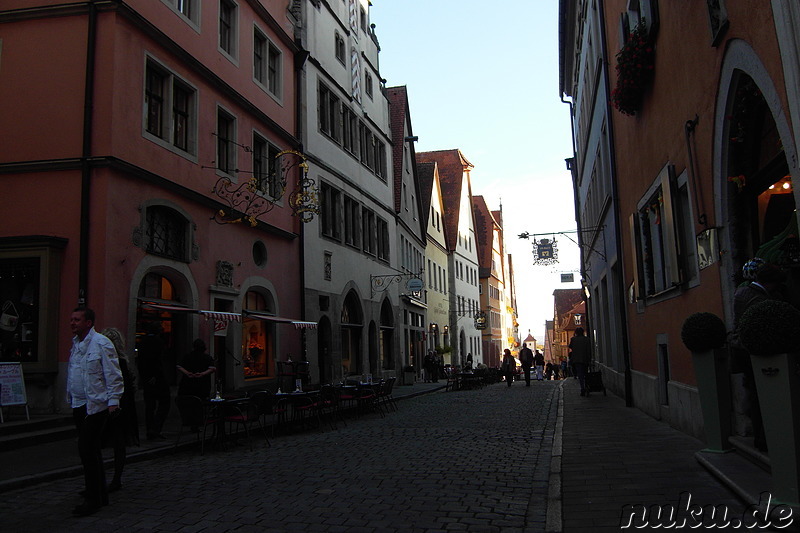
94	389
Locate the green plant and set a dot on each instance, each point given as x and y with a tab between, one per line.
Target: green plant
770	327
444	349
702	332
635	63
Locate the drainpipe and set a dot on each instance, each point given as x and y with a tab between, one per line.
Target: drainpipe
626	356
86	153
300	58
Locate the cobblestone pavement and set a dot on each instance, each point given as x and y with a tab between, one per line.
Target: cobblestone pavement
447	461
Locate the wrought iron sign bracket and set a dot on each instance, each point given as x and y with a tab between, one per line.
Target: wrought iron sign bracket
379	283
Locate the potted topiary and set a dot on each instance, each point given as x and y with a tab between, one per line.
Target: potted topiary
770	331
704	334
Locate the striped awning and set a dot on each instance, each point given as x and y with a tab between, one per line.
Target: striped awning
299	324
170	307
221	316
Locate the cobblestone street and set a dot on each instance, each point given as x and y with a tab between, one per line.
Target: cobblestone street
446	461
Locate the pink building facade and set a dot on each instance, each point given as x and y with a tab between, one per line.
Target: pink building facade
121	123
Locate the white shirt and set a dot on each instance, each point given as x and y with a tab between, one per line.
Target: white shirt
94	378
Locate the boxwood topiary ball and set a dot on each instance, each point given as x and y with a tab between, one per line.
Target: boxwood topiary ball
770	327
702	332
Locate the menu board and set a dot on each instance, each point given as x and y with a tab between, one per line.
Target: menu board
12	385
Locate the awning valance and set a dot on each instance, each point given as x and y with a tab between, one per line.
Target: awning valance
299	324
220	315
174	308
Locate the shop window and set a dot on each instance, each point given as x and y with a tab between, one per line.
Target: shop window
386	336
20	284
258	337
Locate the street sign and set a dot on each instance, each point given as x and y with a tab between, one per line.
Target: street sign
567	278
414	285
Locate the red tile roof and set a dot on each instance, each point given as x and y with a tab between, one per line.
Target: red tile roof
484	233
398	122
452	168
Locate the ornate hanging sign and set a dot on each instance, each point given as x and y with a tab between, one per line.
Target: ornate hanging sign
545	252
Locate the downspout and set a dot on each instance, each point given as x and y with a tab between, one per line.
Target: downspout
571	166
626	356
300	58
86	153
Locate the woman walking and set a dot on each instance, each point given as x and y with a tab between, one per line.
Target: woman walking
123	426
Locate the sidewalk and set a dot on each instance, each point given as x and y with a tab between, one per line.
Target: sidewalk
610	456
54	460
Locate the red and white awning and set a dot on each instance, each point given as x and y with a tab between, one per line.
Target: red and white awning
299	324
221	316
169	307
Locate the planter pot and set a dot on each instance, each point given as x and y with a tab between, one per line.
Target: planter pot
409	378
714	389
778	385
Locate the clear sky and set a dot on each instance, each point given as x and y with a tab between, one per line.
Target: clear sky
483	77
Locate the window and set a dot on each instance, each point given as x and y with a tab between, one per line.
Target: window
228	27
186	9
369	236
328	112
264	167
166	233
259	56
380	158
338	46
363	19
226	142
368	84
352	226
689	265
349	130
654	238
170	114
382	232
368	144
331	205
274	70
181	97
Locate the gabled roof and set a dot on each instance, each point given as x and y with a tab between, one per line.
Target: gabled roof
564	300
426	173
398	121
484	233
452	166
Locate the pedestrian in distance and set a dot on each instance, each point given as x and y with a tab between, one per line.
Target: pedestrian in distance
154	381
509	366
94	391
196	369
538	360
122	429
526	359
581	355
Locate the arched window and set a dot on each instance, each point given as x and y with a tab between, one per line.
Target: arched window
351	323
167	233
386	336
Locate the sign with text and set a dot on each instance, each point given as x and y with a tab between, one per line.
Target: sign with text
12	385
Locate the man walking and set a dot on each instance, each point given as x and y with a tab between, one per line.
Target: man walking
94	389
580	356
526	359
538	360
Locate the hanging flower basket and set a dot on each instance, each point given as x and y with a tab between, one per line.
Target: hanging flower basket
635	63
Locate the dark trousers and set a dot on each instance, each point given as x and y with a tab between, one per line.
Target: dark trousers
90	438
509	378
527	371
156	407
580	373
